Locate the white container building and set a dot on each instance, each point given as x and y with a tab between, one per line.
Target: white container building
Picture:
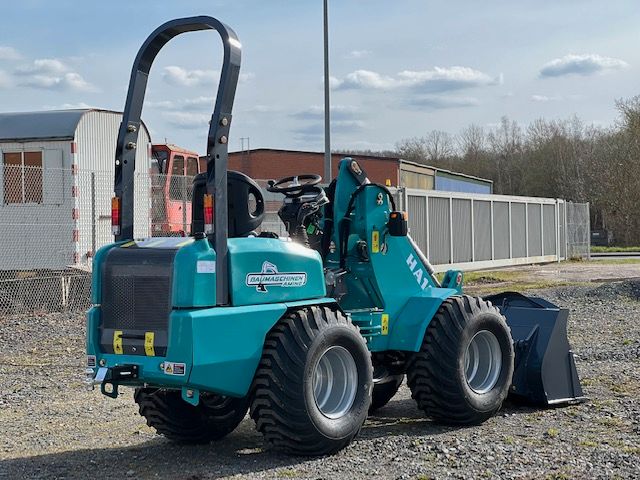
56	177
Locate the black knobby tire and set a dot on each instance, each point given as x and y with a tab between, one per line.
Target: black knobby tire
212	419
283	402
436	373
384	389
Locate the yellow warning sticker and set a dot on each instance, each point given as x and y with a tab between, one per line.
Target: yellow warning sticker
375	241
128	244
117	342
148	344
385	324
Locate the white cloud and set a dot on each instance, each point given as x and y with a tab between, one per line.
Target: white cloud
74	81
42	66
441	102
356	54
181	77
245	77
199	103
5	80
69	106
587	64
9	53
362	79
545	98
68	81
186	120
51	73
438	79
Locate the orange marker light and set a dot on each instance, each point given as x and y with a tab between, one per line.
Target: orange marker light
115	215
208	213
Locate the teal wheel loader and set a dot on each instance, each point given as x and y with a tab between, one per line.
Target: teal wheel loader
311	332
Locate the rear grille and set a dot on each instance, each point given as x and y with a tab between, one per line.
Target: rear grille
136	289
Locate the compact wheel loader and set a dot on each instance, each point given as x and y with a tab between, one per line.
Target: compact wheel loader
308	333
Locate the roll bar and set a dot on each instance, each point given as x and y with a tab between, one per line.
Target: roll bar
217	140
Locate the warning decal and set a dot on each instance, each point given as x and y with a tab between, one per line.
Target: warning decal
173	368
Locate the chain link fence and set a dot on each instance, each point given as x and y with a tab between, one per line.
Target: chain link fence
578	230
53	221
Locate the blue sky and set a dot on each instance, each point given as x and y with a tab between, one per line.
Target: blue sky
399	68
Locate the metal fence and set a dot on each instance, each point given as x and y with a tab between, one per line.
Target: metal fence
51	231
475	231
578	230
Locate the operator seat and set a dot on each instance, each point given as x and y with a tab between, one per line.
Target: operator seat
244	216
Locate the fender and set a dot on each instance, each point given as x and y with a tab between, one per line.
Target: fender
407	330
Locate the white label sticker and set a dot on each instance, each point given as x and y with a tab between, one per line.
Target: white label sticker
172	368
206	266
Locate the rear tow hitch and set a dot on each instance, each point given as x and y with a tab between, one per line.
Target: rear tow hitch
112	376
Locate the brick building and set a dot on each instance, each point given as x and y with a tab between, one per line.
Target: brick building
267	163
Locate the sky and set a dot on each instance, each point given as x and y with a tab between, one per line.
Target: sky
398	69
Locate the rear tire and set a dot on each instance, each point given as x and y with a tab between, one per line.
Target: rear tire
385	386
312	389
462	373
212	419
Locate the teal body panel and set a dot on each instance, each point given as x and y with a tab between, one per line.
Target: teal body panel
194	276
392	285
268	270
220	347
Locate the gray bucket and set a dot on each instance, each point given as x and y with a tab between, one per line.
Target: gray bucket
545	370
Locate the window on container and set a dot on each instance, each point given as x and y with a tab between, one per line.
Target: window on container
192	171
177	190
159	165
203	164
22	177
192	166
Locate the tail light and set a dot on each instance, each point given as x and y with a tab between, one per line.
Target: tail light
115	215
208	213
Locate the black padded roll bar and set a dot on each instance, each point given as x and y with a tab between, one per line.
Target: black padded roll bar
217	140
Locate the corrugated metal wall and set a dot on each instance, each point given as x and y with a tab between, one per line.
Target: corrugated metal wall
96	137
549	225
439	230
501	230
480	231
462	230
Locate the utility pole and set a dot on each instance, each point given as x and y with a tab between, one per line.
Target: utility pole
327	124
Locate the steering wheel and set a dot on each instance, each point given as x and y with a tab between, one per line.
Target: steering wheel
294	186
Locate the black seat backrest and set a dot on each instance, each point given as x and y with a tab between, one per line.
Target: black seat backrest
244	216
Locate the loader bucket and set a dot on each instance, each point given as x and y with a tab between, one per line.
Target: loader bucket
545	371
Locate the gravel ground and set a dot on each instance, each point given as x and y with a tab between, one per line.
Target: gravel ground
53	428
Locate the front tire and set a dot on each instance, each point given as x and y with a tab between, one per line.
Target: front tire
312	389
212	419
462	373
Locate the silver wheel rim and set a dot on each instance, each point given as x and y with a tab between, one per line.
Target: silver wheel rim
335	382
483	362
